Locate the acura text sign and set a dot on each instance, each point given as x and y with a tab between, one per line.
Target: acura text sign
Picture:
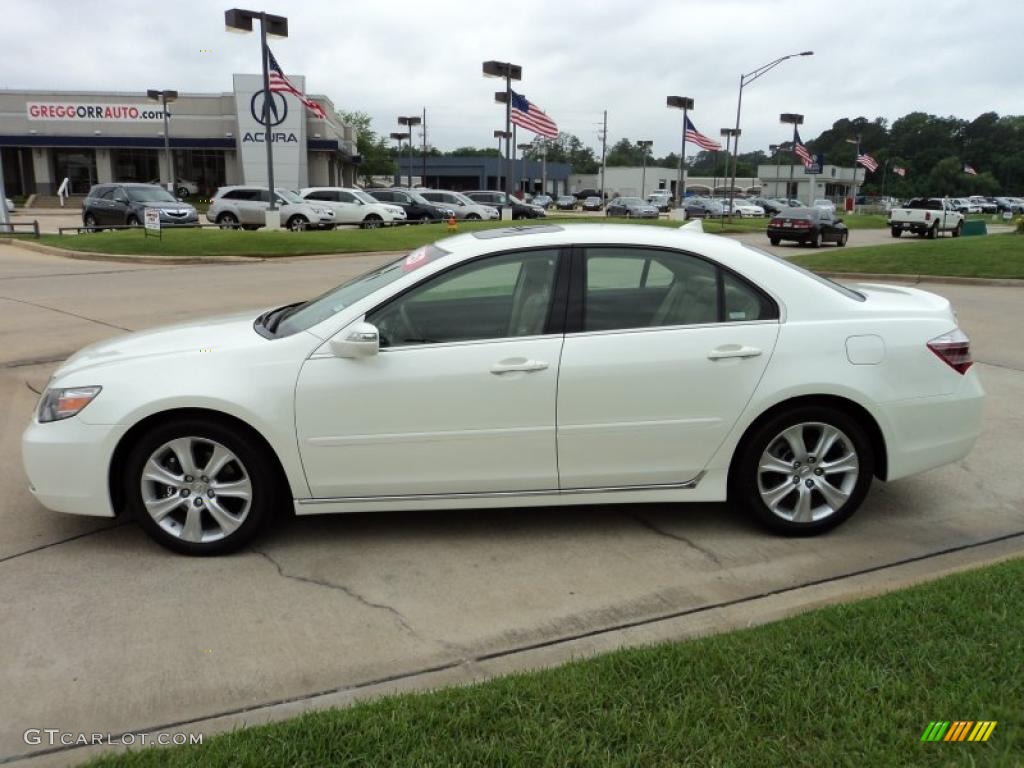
287	122
71	110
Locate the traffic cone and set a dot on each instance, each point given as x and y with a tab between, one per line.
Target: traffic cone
453	225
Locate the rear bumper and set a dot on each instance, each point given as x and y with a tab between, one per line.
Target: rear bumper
67	463
930	432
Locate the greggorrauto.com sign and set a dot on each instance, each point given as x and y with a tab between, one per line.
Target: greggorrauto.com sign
64	110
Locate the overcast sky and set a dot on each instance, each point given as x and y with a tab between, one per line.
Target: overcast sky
871	58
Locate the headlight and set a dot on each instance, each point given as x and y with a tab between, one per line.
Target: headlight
57	404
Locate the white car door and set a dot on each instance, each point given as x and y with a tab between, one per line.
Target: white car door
657	367
459	399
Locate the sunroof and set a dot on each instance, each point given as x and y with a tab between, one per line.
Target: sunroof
490	234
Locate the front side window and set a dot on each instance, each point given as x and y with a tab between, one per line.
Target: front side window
492	298
344	197
650	288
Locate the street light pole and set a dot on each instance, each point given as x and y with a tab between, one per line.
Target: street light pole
746	80
410	122
400	137
510	72
522	148
730	135
853	184
164	97
645	145
239	20
501	136
686	104
774	149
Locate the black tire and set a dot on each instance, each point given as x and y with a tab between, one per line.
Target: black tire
472	217
182	192
744	478
132	220
372	221
227	221
298	223
815	240
933	232
896	231
89	220
255	464
425	218
841	242
774	240
959	230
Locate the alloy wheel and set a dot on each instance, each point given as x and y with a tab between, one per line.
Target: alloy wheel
196	489
807	472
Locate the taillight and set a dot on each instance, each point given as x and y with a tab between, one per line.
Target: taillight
954	349
775	223
801	223
927	215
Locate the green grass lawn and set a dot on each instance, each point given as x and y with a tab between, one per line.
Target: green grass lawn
990	256
848	685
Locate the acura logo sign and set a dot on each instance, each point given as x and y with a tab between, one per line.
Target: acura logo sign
278	107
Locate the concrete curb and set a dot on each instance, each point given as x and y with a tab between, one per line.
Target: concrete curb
914	279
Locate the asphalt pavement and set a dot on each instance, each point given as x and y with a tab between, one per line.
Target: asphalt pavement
102	631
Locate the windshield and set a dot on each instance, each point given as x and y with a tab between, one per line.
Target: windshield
360	195
151	195
314	311
289	196
417	197
848	292
630	201
462	198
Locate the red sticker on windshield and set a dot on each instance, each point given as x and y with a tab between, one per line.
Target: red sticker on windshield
416	259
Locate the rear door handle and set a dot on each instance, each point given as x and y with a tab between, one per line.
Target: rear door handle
520	364
733	350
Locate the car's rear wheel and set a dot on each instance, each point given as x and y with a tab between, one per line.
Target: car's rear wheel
896	231
959	230
774	240
132	221
815	240
372	221
804	471
298	223
227	221
198	487
933	231
841	242
182	191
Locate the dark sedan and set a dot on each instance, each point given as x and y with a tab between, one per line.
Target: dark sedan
591	204
566	203
631	208
807	226
702	208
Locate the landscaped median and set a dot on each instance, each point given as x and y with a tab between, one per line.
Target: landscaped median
994	256
855	684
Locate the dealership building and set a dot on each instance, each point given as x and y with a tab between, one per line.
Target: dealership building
216	139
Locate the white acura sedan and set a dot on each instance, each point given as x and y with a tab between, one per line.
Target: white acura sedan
516	367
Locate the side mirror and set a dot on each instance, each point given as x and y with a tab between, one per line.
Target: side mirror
838	221
358	340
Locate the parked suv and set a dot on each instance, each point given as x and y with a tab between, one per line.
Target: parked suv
246	207
122	204
354	206
417	207
500	200
464	207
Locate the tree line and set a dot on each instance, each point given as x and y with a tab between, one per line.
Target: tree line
932	150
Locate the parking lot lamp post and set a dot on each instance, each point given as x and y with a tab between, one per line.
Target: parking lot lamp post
409	122
774	149
686	104
510	72
522	148
853	185
239	20
645	147
791	118
501	135
729	134
400	137
746	80
166	97
5	219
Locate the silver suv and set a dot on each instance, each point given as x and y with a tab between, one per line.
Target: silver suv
463	207
246	207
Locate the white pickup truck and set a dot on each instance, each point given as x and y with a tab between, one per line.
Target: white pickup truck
926	217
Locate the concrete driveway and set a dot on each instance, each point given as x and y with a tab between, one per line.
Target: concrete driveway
101	631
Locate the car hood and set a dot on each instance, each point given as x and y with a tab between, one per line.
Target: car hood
208	334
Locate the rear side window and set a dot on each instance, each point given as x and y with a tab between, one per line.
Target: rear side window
321	194
240	194
650	288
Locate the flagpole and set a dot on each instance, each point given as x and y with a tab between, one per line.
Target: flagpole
267	96
682	162
885	171
512	162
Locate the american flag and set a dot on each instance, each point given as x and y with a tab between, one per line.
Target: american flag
280	83
899	170
694	136
867	161
971	171
528	115
801	151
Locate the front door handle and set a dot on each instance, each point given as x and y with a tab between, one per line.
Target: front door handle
733	350
517	364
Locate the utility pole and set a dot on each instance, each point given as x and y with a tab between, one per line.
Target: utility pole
604	151
425	147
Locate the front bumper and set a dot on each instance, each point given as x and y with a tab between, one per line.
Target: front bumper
68	462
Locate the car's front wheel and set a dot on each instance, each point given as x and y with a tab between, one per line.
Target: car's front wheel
372	221
227	221
804	471
199	488
298	223
843	238
89	220
815	240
